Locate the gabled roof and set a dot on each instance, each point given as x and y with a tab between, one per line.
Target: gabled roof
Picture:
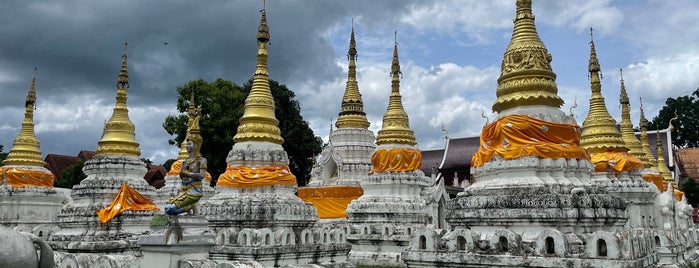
459	152
431	159
56	163
688	162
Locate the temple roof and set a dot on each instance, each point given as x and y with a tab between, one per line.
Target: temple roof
688	162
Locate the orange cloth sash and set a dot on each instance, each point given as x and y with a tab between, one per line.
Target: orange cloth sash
19	177
396	160
177	166
242	176
514	136
126	199
331	202
618	161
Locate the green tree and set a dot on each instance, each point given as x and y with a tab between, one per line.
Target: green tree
685	133
72	175
222	106
3	155
168	164
691	191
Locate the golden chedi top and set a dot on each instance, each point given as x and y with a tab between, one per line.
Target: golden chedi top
119	136
599	132
258	122
526	76
25	149
352	112
190	114
650	159
662	167
627	134
396	125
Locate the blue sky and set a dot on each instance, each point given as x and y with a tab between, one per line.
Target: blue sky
450	54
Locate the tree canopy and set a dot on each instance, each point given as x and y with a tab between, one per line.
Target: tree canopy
222	106
685	134
71	175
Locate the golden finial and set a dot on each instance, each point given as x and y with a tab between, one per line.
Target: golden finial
352	110
650	159
396	125
669	124
627	133
25	149
662	167
259	122
526	77
194	133
572	107
599	132
119	136
487	120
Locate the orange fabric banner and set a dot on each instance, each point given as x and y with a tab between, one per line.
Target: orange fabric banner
242	176
331	202
514	136
657	180
396	160
19	177
617	161
177	166
126	199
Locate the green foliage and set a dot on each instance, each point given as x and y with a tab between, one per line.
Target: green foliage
72	175
222	105
3	156
168	164
684	134
691	191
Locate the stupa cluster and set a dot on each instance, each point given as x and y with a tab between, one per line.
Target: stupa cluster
547	192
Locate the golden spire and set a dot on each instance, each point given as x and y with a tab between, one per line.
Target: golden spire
650	159
352	113
627	134
599	132
396	125
183	146
526	77
119	136
259	122
25	149
662	167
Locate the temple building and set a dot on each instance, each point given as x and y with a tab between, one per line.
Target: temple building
346	159
112	207
28	201
255	212
398	198
537	199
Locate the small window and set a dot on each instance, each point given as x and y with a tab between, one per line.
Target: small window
423	242
601	248
502	244
460	243
657	241
550	246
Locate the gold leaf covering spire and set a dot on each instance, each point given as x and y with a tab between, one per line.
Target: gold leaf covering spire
650	159
396	125
526	77
194	132
190	113
627	134
662	167
119	136
352	112
25	149
259	122
599	132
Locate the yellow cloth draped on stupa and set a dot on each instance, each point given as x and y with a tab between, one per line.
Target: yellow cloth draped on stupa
126	199
616	161
331	202
20	177
514	136
242	176
396	160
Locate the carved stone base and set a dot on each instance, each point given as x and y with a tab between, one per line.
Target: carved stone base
184	237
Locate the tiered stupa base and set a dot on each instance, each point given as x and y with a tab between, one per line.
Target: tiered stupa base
31	209
268	224
384	218
81	229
